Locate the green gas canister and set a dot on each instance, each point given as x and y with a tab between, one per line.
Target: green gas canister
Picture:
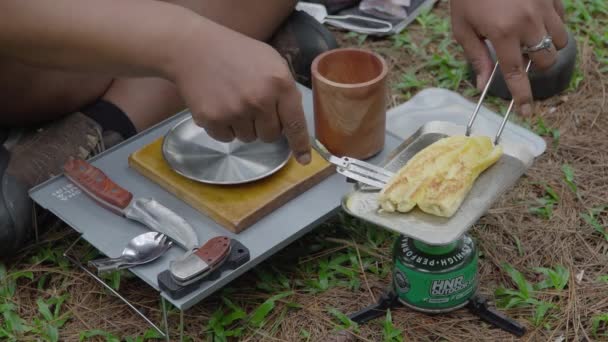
435	279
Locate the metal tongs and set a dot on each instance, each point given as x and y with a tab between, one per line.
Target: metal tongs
483	95
355	169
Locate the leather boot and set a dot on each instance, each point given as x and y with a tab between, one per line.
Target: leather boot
37	156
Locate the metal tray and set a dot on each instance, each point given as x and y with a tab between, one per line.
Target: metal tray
433	230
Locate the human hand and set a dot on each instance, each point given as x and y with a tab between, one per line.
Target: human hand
509	26
237	87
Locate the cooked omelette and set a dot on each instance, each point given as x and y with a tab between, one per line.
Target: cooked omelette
438	178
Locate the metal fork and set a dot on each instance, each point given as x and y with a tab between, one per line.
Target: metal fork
355	169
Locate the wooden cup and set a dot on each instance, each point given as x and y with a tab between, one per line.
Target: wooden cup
350	98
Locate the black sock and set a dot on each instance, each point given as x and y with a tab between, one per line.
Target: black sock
110	118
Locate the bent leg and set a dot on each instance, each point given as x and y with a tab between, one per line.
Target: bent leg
31	95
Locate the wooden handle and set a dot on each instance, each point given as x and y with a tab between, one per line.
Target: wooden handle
95	183
214	250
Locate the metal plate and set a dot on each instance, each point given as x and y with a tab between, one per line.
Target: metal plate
433	230
191	152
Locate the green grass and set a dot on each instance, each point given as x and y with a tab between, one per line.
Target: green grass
541	128
360	38
46	324
588	20
342	320
544	205
442	62
149	335
391	333
592	218
527	294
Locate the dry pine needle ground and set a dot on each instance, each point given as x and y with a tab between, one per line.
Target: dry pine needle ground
309	276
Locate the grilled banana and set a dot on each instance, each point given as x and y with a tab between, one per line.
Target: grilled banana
439	177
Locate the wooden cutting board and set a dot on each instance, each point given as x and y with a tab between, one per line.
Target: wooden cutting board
235	207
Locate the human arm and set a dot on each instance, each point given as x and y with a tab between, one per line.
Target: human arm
234	86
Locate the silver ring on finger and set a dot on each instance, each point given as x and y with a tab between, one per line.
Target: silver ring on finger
545	44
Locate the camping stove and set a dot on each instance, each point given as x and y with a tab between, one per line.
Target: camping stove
436	279
434	260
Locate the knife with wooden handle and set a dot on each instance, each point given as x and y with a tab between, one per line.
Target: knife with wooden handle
196	265
144	210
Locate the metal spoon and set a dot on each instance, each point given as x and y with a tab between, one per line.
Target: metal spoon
141	249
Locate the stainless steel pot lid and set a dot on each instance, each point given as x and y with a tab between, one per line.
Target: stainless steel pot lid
191	152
